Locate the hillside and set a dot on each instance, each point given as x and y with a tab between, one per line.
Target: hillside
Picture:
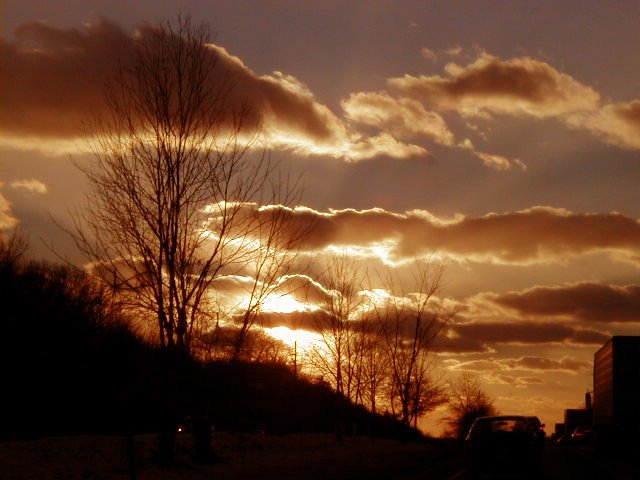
73	366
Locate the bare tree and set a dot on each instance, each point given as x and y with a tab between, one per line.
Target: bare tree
410	321
339	357
177	188
427	391
467	401
12	249
375	367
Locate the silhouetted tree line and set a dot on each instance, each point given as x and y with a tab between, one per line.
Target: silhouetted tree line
378	348
69	360
70	363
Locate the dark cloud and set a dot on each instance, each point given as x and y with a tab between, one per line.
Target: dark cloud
491	85
628	112
311	321
481	336
452	344
77	63
54	78
582	301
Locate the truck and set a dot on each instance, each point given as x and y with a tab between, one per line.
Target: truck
616	391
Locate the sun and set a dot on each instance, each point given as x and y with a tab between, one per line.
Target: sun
284	303
302	339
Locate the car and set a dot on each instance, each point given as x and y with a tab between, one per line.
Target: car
503	444
539	427
582	435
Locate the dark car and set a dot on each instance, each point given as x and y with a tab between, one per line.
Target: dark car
539	427
503	444
582	435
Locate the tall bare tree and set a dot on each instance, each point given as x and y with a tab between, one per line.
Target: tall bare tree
374	368
410	320
178	183
339	356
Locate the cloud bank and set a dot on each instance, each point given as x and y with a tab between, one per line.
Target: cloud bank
77	63
535	235
525	363
483	336
586	301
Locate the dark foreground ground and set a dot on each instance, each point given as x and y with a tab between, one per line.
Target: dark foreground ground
237	456
570	462
287	457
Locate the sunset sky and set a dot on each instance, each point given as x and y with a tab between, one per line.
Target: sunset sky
502	136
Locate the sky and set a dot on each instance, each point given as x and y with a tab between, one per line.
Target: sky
502	136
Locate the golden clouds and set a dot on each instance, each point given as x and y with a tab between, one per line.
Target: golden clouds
382	144
491	85
536	235
525	363
30	185
7	220
402	117
522	86
488	86
428	54
618	124
497	162
53	79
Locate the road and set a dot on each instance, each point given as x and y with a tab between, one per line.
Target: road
569	463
